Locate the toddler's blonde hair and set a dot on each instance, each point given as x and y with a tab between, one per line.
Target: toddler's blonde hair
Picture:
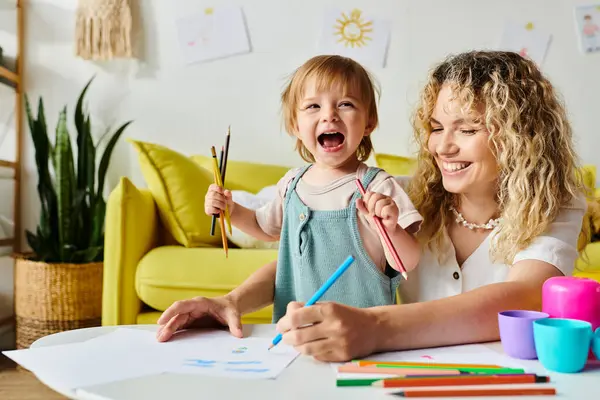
329	71
530	136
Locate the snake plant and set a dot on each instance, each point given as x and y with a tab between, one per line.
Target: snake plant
71	224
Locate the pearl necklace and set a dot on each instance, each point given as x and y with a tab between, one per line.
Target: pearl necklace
491	224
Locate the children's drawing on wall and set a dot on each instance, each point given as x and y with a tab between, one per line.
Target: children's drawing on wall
212	34
587	22
354	34
526	40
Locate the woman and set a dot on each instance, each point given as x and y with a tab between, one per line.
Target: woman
503	208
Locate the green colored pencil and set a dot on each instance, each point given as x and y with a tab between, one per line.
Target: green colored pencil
357	382
461	369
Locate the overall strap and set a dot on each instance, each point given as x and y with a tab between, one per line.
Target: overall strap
292	186
367	179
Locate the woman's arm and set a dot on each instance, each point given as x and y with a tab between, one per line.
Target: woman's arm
466	318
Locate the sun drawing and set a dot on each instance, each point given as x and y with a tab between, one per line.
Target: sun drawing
353	30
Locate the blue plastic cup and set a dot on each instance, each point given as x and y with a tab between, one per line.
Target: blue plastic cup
562	345
596	343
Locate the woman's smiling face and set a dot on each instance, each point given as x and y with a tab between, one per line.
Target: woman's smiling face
460	146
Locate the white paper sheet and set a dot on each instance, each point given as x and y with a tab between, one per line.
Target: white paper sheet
212	34
119	355
131	353
467	354
587	23
225	355
354	34
526	40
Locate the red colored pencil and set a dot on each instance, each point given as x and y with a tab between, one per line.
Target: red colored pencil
460	380
385	236
477	392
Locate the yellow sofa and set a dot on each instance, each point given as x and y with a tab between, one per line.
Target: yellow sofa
146	270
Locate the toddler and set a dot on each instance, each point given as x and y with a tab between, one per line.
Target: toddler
318	215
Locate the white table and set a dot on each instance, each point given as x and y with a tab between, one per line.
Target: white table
304	379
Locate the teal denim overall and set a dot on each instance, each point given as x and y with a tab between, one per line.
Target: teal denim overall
314	243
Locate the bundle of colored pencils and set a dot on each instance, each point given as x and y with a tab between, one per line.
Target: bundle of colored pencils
443	379
219	170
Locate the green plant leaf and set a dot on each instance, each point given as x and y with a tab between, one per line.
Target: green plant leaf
88	255
65	182
98	214
83	136
105	160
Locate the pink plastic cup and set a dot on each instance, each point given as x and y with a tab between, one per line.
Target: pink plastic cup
573	298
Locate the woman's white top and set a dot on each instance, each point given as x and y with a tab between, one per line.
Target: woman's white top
433	279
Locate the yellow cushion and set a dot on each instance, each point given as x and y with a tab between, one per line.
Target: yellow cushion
396	165
178	186
241	175
170	273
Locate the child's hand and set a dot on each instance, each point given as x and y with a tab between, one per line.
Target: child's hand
215	200
379	205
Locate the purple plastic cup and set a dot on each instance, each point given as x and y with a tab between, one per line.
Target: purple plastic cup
516	332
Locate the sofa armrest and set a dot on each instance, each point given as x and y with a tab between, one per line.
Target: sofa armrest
131	231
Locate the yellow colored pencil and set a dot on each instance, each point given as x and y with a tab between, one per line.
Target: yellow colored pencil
217	176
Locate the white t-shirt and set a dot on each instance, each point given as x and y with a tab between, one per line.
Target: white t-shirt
433	280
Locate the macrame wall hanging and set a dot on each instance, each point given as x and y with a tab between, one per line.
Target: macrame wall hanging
103	29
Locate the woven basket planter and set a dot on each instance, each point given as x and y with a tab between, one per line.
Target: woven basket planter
51	298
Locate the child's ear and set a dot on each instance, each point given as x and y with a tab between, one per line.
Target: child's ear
369	128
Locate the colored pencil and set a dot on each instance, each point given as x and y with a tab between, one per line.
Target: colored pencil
319	293
422	364
214	217
370	381
477	392
386	237
461	369
461	380
224	170
351	368
217	176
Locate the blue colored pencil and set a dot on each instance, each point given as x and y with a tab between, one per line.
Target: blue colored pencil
319	293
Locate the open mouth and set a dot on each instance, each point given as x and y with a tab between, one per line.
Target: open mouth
455	167
331	141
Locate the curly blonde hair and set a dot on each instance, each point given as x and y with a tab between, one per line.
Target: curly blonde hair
329	71
529	135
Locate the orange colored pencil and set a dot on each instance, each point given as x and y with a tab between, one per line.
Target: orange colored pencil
352	368
386	237
477	392
363	363
463	380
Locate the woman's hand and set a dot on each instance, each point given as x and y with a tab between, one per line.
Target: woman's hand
199	312
374	204
216	199
335	333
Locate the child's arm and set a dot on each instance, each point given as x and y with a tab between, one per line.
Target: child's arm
257	291
245	219
408	248
377	205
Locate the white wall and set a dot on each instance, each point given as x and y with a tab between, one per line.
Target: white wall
190	107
